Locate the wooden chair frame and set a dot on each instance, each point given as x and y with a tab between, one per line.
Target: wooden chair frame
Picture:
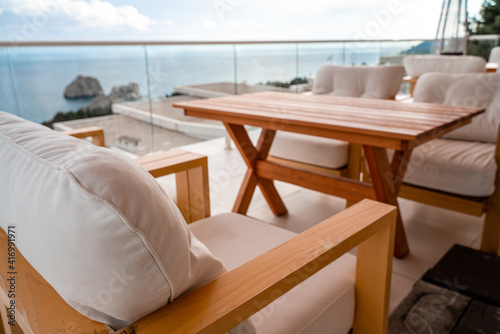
228	300
190	169
490	68
412	81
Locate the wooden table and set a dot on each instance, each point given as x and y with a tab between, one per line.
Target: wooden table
375	124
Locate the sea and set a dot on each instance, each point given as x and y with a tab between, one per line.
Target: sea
33	79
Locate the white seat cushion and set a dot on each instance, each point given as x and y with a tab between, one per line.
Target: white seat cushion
416	65
465	90
318	151
95	225
322	304
459	167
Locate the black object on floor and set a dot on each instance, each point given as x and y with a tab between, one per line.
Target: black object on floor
479	318
459	295
471	272
427	309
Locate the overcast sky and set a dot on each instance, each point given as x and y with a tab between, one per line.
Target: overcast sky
197	20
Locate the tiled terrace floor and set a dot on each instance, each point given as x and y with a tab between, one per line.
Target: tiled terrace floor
431	231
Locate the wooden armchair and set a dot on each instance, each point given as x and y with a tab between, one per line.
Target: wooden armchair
461	172
228	300
90	243
190	169
416	65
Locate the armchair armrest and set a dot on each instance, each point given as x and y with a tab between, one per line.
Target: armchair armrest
412	81
227	301
191	175
95	132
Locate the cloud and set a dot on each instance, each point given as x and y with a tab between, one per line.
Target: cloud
208	24
233	24
95	13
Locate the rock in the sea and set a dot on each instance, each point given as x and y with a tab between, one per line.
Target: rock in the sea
83	86
125	93
99	106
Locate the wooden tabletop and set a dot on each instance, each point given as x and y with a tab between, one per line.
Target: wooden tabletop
380	123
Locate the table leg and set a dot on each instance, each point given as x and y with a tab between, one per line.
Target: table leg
246	192
251	154
387	179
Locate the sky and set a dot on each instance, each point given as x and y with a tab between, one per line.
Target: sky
220	20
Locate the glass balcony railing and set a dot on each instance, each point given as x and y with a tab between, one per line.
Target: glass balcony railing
35	76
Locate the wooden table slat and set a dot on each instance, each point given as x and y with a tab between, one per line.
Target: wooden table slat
392	119
401	119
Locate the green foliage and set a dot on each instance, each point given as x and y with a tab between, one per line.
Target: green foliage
298	81
280	84
488	21
71	115
81	113
480	48
175	94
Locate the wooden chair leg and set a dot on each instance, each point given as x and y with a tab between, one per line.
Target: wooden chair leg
373	282
191	174
490	240
355	160
193	197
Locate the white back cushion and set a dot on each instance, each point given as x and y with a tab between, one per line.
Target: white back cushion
417	65
371	82
465	90
95	225
495	55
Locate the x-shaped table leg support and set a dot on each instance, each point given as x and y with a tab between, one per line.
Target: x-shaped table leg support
387	180
251	154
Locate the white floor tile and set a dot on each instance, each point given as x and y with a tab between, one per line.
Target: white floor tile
400	287
443	221
305	209
427	246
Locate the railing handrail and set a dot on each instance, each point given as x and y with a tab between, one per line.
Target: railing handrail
142	43
483	37
156	42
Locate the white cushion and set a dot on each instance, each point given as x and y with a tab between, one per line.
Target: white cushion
494	55
371	82
323	303
459	167
323	152
95	225
375	82
465	90
416	65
